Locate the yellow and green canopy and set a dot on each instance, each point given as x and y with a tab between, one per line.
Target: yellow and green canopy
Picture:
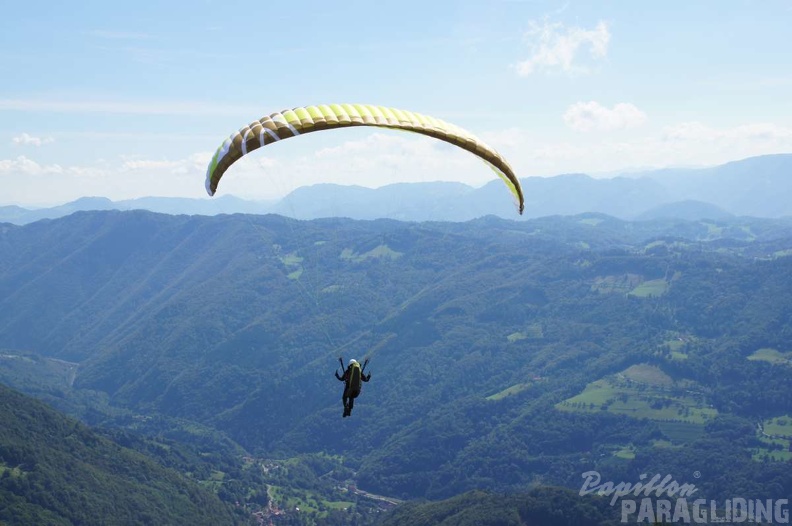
302	120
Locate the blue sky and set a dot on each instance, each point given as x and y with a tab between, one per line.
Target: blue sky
130	99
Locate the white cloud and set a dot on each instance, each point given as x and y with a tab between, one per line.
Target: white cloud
555	46
267	163
27	166
381	158
28	140
28	181
687	144
372	160
192	164
150	165
505	139
755	132
592	116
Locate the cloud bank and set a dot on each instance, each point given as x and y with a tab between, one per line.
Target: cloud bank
28	140
554	46
593	116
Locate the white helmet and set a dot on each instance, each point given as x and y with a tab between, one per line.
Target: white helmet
352	361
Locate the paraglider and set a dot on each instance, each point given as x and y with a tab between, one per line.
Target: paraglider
352	376
302	120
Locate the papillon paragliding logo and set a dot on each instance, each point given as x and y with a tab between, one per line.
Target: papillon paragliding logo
662	500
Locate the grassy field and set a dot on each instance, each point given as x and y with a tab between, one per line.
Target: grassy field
678	356
654	244
533	331
12	472
675	345
616	284
291	260
644	391
20	368
674	350
775	455
670	245
518	388
382	251
627	453
630	284
712	229
651	288
780	426
772	356
664	444
305	501
647	374
776	433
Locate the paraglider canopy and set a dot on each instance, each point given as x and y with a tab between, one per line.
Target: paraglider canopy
299	121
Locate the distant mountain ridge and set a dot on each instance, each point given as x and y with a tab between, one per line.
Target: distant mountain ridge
757	187
690	210
165	205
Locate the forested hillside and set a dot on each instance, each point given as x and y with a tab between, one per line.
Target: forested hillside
54	470
504	354
545	507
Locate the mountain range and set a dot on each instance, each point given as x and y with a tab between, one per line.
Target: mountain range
504	353
757	187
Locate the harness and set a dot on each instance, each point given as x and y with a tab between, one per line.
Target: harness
354	378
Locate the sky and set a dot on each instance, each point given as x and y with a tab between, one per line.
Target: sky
131	99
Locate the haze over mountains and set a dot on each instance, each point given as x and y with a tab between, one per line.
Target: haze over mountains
507	354
757	186
235	323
